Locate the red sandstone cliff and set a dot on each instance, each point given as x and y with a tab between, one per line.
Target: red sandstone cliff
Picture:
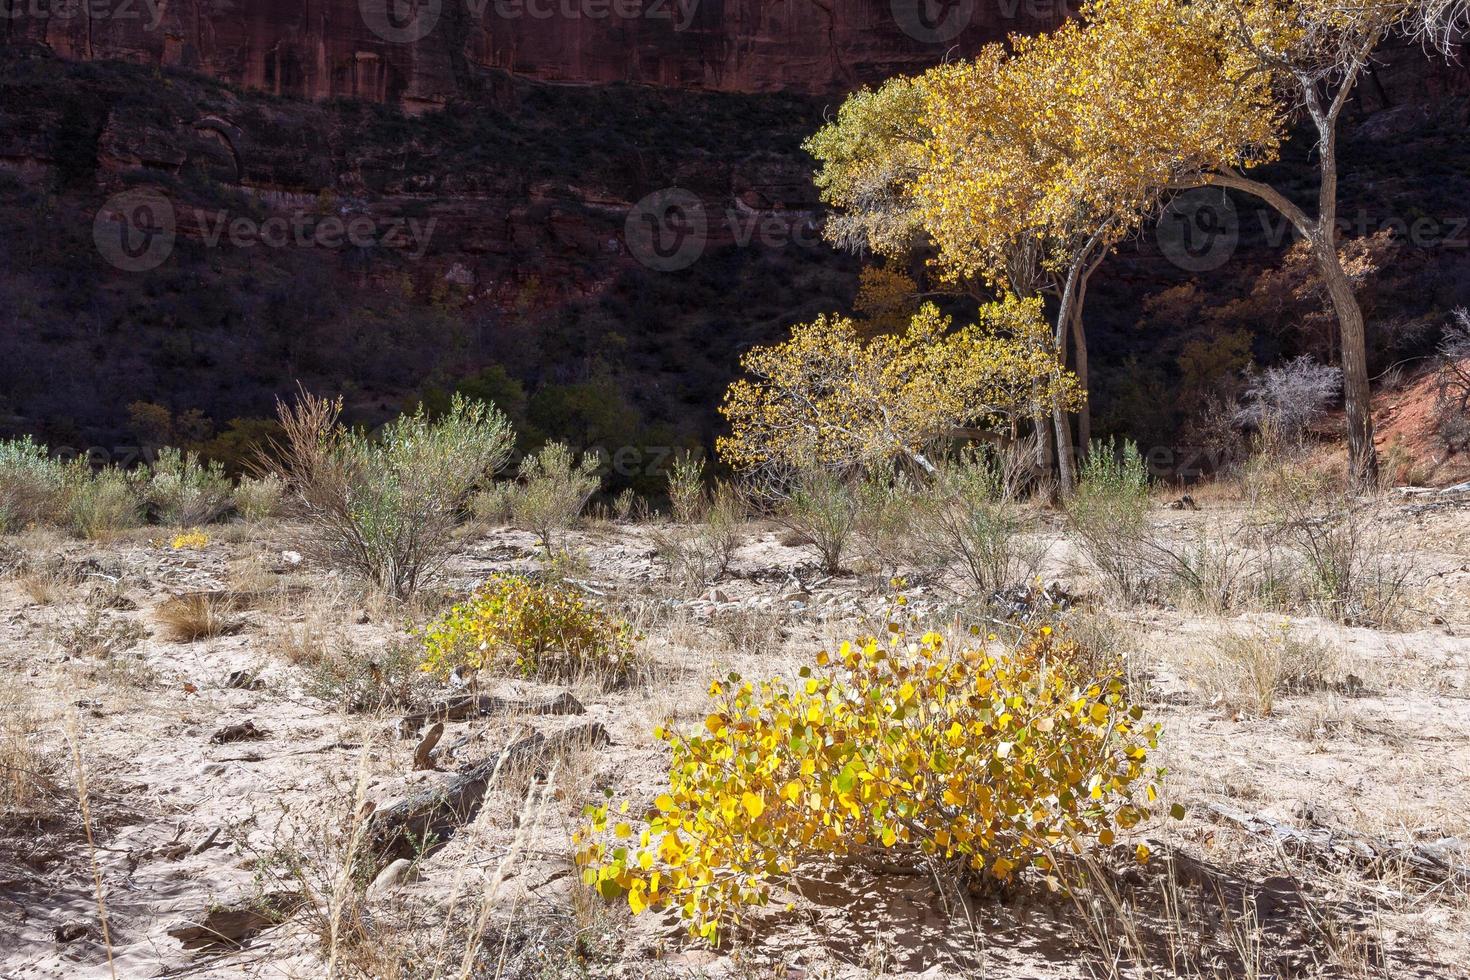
429	51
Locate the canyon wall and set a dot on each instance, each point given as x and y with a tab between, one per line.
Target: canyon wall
427	52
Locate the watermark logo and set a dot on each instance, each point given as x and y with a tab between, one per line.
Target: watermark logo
1199	230
933	21
135	230
679	13
668	230
148	11
401	21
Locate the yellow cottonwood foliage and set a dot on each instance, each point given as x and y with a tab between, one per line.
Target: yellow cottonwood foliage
537	629
827	397
1083	130
994	758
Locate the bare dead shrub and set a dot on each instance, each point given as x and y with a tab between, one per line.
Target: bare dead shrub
1452	384
1291	398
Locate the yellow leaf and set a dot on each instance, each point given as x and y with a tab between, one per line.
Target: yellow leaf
753	804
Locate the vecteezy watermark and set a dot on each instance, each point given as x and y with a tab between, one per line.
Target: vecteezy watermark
679	13
670	229
1199	230
408	21
401	21
933	21
136	230
148	11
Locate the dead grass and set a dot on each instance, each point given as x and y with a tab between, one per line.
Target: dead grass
187	618
1248	670
29	792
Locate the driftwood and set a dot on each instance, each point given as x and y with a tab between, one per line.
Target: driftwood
485	705
423	755
430	817
1436	861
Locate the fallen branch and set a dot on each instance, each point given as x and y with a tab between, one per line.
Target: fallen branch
485	705
429	818
1437	861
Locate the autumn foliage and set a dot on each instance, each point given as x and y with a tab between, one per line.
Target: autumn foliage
536	629
826	397
991	758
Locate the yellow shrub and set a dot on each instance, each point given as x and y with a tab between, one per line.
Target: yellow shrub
536	629
194	539
995	758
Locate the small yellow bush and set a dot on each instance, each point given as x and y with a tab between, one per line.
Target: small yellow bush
194	540
536	629
992	758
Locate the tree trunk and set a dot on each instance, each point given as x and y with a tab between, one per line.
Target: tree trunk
1061	422
1079	341
1357	398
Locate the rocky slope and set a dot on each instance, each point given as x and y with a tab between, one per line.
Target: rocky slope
430	51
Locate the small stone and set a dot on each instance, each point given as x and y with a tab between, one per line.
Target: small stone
400	872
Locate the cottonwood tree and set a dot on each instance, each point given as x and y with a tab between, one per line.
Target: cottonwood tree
1314	52
1025	166
827	398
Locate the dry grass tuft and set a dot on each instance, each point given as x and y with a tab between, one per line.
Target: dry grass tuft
186	618
28	792
1247	671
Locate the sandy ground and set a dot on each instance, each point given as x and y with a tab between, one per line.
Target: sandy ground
185	828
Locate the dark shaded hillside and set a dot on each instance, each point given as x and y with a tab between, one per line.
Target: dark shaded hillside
499	238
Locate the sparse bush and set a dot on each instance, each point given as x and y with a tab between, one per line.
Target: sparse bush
1337	561
259	498
1290	398
701	544
353	677
686	488
185	490
970	520
545	630
553	490
1109	513
888	504
823	508
980	760
385	508
625	503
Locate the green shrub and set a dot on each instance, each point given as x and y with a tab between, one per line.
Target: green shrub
1109	513
384	508
553	490
544	630
823	508
259	498
185	490
32	485
102	503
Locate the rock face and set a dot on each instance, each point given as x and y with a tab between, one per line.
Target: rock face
426	52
